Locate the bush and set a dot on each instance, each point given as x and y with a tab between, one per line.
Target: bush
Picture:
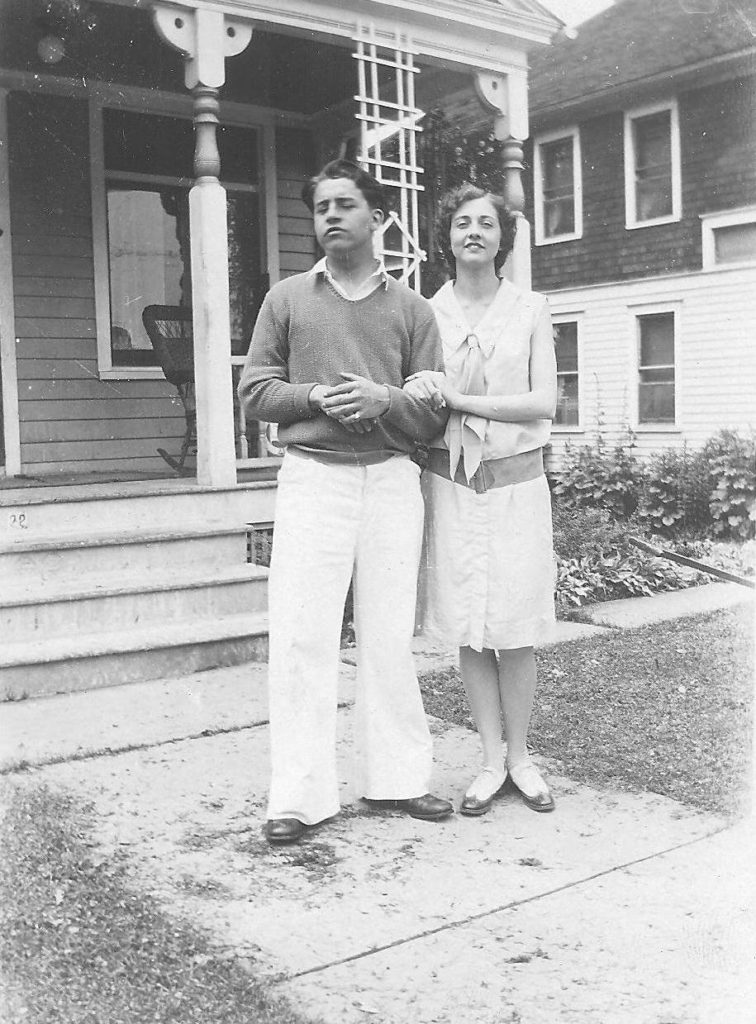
596	562
598	476
676	494
732	463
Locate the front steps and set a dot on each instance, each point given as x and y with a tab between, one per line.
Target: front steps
150	585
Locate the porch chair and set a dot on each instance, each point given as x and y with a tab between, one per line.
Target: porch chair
169	329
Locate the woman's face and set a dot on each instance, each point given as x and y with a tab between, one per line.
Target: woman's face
475	234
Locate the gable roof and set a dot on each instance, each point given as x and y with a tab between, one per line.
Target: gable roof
636	40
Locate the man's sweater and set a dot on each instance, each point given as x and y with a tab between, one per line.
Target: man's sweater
307	334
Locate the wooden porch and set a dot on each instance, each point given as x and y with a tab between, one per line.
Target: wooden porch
153	155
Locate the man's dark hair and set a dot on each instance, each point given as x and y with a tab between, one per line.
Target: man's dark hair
371	189
449	205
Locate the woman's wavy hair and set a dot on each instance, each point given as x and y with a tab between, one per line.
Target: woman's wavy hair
449	205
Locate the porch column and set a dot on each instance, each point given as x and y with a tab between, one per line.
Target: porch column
206	38
507	97
9	416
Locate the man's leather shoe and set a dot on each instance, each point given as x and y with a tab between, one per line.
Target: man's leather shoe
426	807
284	830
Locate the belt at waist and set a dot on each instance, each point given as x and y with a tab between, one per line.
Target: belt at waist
513	469
337	458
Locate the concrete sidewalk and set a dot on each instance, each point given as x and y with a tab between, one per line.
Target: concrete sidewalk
617	909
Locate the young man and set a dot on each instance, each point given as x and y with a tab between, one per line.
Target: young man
329	355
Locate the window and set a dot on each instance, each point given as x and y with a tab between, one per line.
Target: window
728	239
652	166
147	172
656	368
558	188
568	394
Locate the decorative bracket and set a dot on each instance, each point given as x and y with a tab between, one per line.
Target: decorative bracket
507	97
204	37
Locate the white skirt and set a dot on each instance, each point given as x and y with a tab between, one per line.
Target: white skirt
488	570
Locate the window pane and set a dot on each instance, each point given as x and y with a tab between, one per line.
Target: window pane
238	155
558	187
147	144
656	403
735	243
656	377
150	144
567	413
246	286
657	339
149	262
565	341
652	137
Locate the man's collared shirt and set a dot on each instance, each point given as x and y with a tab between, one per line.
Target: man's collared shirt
378	277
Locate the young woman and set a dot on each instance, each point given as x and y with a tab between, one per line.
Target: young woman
489	568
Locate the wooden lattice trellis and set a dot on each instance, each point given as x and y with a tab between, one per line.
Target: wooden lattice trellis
388	145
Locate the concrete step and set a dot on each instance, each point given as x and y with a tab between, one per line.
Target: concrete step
143	505
70	556
157	651
114	602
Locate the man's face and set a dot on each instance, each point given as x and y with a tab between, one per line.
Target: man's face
344	221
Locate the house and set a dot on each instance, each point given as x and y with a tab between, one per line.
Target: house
151	160
643	199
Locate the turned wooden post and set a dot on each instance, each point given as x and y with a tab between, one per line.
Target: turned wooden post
507	97
206	38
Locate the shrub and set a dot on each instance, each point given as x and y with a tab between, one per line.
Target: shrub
732	463
676	494
599	476
596	562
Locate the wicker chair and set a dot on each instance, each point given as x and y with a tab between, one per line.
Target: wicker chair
170	332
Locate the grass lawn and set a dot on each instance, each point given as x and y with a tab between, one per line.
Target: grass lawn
666	708
79	946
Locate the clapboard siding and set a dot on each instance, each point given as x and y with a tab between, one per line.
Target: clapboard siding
101	408
127	468
65	267
88	450
715	350
69	418
90	429
294	161
44	287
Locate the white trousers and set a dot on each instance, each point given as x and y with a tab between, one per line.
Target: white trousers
333	522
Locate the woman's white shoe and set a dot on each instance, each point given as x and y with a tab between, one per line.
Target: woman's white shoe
531	785
482	790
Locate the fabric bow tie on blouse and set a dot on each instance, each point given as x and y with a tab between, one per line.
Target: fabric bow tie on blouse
465	433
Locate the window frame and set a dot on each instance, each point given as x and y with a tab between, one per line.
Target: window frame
723	219
179	107
577	319
577	185
635	313
631	213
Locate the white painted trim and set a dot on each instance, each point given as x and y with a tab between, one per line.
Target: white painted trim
472	33
709	224
269	172
100	240
634	311
576	317
11	425
631	219
577	185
